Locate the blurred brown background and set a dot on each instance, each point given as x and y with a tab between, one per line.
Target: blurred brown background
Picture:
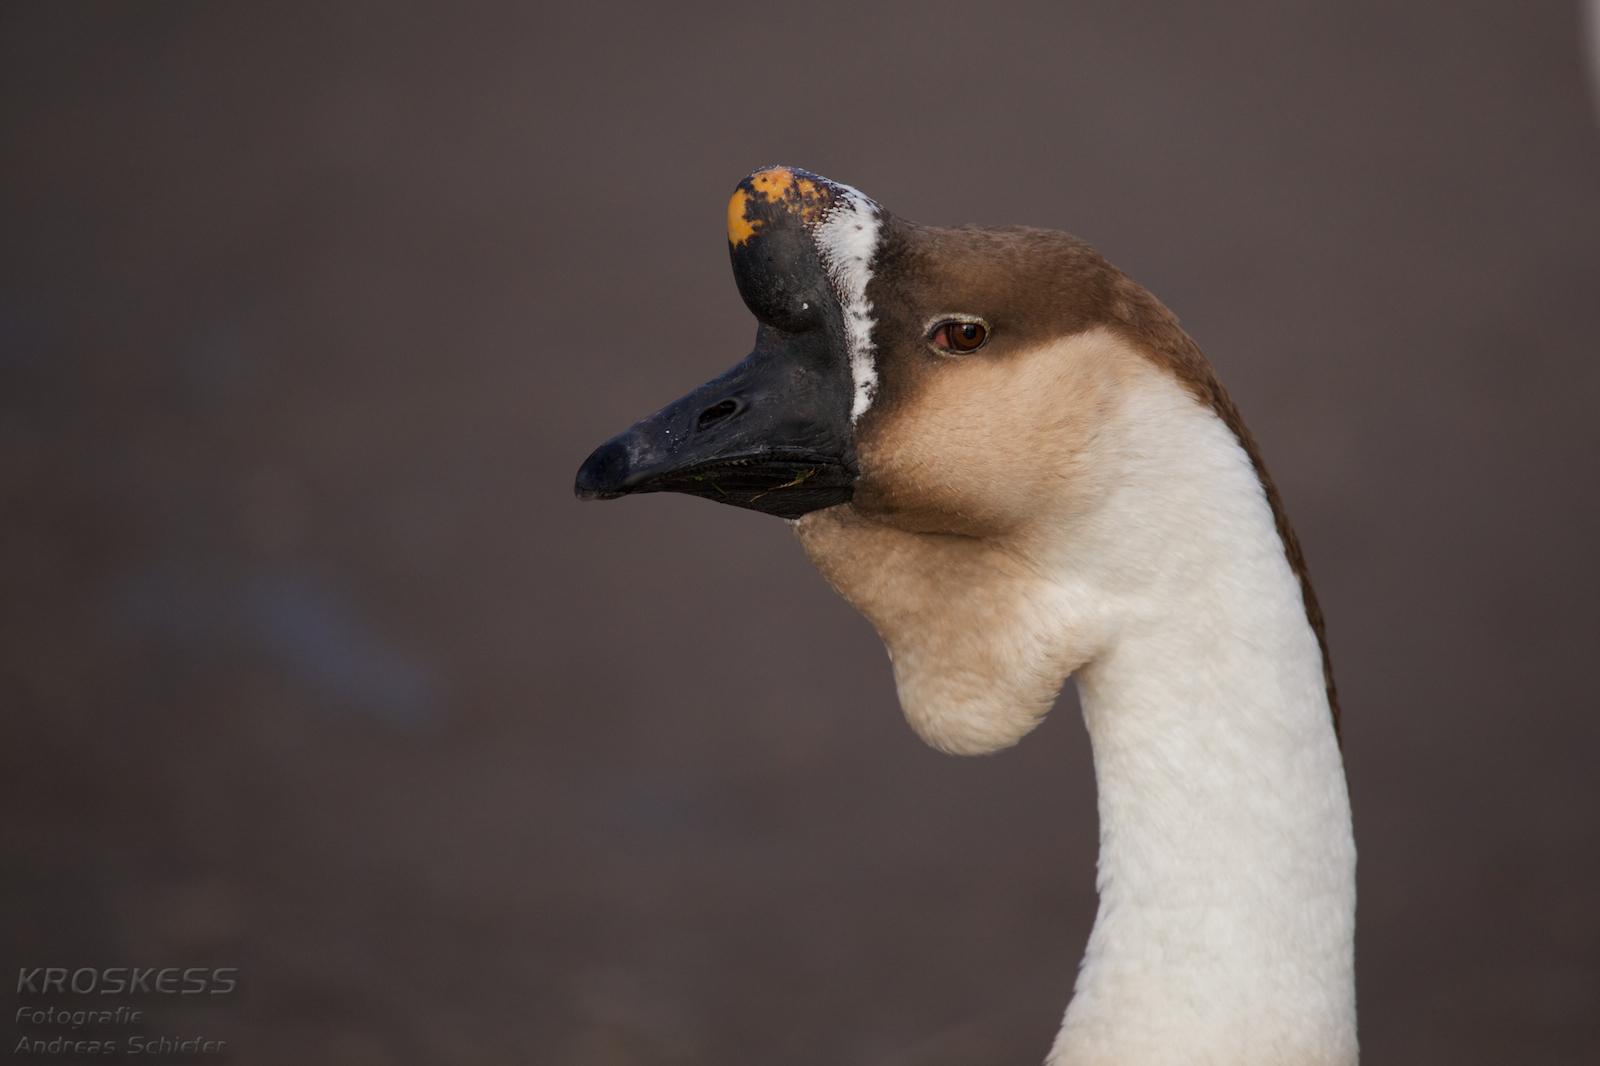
311	664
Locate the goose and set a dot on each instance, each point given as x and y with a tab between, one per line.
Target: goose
1009	457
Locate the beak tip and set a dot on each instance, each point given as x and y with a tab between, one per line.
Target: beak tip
602	474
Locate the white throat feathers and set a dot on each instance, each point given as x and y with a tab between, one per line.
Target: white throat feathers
1072	508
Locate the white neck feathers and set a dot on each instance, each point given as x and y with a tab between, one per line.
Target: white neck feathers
1226	873
1227	864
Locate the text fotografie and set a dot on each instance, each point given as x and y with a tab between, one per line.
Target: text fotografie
77	1019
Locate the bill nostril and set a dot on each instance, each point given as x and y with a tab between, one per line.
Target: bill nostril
716	413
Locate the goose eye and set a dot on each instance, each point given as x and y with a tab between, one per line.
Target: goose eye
960	336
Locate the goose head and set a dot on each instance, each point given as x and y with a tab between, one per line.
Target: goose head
939	413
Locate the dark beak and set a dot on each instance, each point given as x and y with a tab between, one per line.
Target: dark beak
773	434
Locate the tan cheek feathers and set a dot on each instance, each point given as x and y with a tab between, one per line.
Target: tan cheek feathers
981	465
984	442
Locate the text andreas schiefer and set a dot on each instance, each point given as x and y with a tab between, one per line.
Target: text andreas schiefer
112	981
